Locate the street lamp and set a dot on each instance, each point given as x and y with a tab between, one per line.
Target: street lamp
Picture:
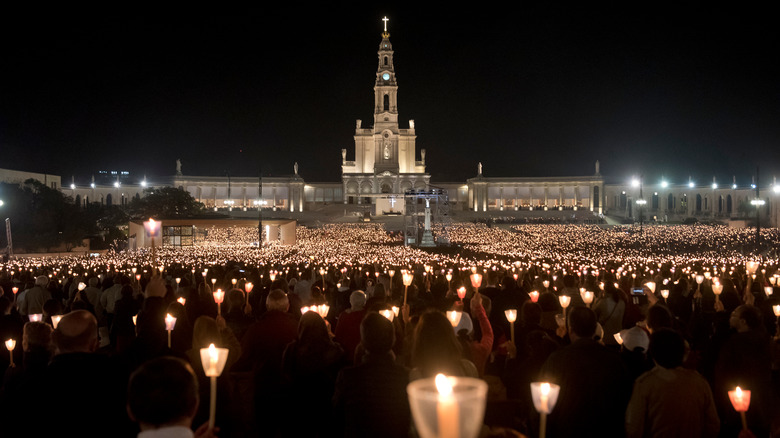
758	202
640	202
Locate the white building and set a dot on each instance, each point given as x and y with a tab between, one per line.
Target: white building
385	164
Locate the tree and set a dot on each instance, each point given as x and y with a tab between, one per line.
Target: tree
166	202
43	218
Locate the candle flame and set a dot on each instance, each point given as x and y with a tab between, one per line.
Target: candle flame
443	385
545	388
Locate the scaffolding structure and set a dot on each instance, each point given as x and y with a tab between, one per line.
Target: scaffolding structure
414	215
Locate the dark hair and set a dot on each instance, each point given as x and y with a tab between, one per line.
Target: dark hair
435	349
658	317
162	391
531	313
235	299
377	334
667	348
582	322
751	315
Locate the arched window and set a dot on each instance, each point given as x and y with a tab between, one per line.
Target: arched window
596	197
387	102
670	202
108	199
654	202
728	204
387	60
698	202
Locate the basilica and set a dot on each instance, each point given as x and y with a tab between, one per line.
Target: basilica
385	169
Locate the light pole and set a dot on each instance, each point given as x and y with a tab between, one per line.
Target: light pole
758	202
641	203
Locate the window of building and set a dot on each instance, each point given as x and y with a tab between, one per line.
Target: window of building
178	236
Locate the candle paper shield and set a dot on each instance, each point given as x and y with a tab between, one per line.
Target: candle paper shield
466	405
545	396
454	317
213	360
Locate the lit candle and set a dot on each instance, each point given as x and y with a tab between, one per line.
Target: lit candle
454	317
35	317
323	310
545	396
534	296
170	323
10	345
446	409
776	310
387	313
741	401
587	297
55	319
461	293
476	280
212	373
407	279
511	316
219	296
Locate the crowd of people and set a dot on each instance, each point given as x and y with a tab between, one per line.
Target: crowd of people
644	333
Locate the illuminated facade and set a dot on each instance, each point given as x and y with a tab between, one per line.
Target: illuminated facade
385	163
385	157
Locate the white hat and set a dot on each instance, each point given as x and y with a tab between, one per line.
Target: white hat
635	337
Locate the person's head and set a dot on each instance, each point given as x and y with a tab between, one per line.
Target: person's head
163	392
42	281
667	348
94	281
235	299
658	317
36	336
126	292
582	323
377	334
76	333
312	330
205	332
531	313
379	292
277	300
435	348
635	339
52	307
357	300
492	278
745	318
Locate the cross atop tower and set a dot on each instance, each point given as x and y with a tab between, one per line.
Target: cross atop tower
385	19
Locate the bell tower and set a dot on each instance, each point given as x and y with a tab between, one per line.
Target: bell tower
385	154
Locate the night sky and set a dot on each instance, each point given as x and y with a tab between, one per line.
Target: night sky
528	91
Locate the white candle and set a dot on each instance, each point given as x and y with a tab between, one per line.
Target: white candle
446	409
